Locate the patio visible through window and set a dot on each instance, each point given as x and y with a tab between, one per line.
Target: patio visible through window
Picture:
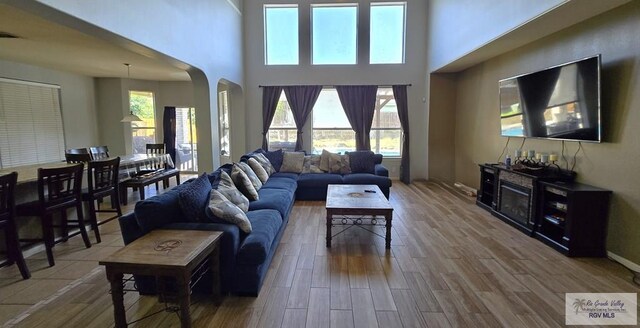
141	103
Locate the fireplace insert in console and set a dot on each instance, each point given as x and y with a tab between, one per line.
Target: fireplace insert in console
516	203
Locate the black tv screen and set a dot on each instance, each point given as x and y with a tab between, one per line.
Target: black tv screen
560	102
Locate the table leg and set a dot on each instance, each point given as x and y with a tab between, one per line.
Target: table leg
387	240
117	294
215	271
329	216
184	294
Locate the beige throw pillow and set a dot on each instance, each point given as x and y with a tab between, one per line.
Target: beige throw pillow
324	160
226	210
253	177
311	164
292	162
228	189
339	164
241	180
258	170
265	163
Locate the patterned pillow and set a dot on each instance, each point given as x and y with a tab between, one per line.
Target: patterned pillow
226	210
311	164
292	162
258	170
241	180
193	198
265	163
324	160
255	181
229	190
339	164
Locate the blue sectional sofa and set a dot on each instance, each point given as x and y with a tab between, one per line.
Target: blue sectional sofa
244	258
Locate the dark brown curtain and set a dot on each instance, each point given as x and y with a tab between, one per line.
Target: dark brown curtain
359	103
400	95
270	96
169	132
301	99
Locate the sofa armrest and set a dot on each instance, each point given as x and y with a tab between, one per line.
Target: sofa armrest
129	228
381	170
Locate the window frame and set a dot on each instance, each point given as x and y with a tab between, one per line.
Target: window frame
282	128
334	5
404	29
376	130
155	123
265	7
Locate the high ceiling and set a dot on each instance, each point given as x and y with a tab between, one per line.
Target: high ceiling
47	44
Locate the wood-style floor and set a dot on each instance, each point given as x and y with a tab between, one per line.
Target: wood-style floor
451	264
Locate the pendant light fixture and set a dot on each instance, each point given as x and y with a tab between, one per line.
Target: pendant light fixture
131	117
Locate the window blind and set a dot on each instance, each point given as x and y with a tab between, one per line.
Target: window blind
31	130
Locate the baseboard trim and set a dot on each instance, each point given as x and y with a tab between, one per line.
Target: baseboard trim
634	267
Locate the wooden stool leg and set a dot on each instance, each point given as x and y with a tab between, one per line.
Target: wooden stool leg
83	229
15	252
116	201
93	220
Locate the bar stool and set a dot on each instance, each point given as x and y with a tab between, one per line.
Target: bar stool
58	190
103	182
8	223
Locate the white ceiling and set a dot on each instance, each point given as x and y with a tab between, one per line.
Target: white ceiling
47	44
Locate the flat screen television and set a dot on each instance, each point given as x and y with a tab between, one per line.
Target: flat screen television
561	102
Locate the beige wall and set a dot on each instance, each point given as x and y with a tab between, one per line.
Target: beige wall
612	164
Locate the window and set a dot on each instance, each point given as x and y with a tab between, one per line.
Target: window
281	34
223	109
386	131
31	129
387	33
186	140
331	128
143	132
334	34
283	132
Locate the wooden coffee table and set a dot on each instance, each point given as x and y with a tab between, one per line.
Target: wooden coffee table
357	200
164	253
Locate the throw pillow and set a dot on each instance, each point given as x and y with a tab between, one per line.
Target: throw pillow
253	177
193	198
241	180
339	164
324	160
292	162
226	210
275	158
362	161
229	190
258	170
264	162
311	164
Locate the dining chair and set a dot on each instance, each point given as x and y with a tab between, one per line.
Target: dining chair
8	223
99	152
157	149
59	189
78	151
78	158
103	182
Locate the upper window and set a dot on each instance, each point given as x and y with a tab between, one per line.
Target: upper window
334	34
331	128
281	34
143	132
283	132
386	131
387	33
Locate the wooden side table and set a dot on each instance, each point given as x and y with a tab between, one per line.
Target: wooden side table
164	253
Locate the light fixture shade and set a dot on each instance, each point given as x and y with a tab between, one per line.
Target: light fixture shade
131	118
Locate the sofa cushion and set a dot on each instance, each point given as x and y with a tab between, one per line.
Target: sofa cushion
193	198
274	199
288	175
222	208
311	164
241	180
312	180
275	158
366	178
362	161
281	183
258	170
157	211
292	162
264	162
255	248
339	164
229	190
